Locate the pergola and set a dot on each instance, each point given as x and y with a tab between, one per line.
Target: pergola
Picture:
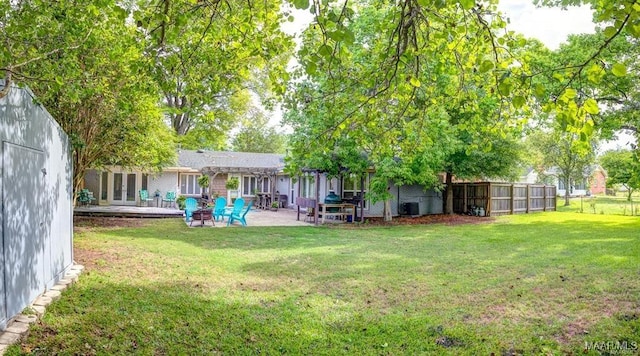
313	202
258	172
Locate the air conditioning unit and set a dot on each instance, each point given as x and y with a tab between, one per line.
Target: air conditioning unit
411	208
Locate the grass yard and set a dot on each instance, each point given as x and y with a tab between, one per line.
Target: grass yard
547	283
600	204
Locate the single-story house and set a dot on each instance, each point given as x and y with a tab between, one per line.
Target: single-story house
258	173
593	182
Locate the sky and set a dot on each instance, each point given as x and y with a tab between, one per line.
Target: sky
549	25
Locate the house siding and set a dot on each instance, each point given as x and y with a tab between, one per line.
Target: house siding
164	182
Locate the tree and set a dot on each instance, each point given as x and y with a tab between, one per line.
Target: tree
623	167
403	99
97	92
565	155
205	53
256	135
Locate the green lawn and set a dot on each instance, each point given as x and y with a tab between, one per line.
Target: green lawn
543	283
605	205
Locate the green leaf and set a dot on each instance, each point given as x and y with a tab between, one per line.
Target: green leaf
610	31
570	93
619	70
467	4
301	4
325	50
505	88
519	101
486	66
591	106
415	82
588	128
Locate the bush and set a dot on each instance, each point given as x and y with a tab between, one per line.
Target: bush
180	202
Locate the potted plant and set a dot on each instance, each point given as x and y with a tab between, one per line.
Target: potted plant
232	185
203	182
275	205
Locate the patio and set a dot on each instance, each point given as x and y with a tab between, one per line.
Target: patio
255	217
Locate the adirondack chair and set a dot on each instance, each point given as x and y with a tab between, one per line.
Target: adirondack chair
190	205
219	208
240	217
237	208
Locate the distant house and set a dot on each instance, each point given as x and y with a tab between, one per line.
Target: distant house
258	173
37	213
593	181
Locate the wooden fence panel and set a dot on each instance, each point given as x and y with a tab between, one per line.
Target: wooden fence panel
504	198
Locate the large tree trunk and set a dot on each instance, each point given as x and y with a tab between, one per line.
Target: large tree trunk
448	207
387	210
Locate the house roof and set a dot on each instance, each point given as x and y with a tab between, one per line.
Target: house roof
211	162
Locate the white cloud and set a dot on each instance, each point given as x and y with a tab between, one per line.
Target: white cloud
550	25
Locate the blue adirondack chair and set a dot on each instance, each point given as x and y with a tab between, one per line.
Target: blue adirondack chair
237	208
190	205
219	208
240	216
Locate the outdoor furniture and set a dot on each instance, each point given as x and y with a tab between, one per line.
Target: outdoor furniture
170	199
282	199
239	217
219	208
202	215
144	197
85	197
237	208
190	205
339	211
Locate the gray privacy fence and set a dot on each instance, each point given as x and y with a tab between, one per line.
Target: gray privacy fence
36	221
503	198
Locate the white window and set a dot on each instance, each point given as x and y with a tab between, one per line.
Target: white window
189	184
248	185
307	187
251	185
351	187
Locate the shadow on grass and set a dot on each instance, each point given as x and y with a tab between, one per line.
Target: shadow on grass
101	317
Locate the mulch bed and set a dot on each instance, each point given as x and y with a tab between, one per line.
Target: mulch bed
454	219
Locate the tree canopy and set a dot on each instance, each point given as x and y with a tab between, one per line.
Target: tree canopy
623	168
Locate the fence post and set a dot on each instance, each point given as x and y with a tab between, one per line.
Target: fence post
464	198
528	197
513	197
544	196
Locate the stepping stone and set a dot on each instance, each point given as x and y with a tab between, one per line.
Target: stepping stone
53	294
59	287
17	328
9	338
43	301
65	282
39	309
26	318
